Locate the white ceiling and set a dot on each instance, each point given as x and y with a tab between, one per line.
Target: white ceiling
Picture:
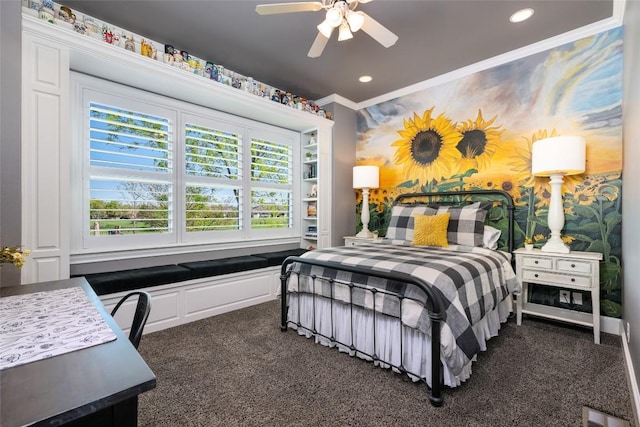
435	37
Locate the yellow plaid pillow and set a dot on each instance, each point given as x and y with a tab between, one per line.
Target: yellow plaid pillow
430	230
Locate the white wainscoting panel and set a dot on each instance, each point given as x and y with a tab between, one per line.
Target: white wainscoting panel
178	303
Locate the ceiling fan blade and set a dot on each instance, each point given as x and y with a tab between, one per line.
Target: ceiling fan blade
271	9
378	32
318	45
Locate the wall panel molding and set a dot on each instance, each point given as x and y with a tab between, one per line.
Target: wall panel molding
45	159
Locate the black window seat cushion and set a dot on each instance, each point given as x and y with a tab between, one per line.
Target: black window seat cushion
217	267
276	258
126	280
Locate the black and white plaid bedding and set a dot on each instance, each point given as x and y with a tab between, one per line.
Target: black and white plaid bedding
466	223
471	282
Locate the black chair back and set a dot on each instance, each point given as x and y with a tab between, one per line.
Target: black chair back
143	308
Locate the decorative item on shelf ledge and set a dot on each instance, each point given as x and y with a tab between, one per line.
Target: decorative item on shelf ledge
312	211
63	16
556	157
314	191
528	243
14	255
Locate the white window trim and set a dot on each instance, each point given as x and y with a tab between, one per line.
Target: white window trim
99	248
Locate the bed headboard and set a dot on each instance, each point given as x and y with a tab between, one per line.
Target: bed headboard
501	215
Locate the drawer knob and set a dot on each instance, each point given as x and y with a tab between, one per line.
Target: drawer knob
535	275
535	262
573	279
573	266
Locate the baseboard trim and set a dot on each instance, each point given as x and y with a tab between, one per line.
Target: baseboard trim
610	325
631	378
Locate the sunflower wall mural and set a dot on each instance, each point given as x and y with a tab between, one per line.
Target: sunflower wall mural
477	133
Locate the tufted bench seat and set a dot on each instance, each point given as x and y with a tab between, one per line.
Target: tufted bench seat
276	258
127	280
217	267
137	278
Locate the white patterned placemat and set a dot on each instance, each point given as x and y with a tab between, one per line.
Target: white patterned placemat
45	324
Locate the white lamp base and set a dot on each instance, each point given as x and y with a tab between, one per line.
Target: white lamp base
364	216
555	219
555	245
364	233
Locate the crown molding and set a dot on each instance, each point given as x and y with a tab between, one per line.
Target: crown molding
588	30
335	98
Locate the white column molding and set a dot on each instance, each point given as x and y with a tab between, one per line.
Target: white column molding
45	159
325	176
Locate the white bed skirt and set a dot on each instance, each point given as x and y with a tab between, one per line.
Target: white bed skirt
416	346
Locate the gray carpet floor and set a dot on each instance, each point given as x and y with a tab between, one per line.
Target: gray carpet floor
239	369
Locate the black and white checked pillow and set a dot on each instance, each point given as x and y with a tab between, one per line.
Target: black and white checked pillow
401	222
466	224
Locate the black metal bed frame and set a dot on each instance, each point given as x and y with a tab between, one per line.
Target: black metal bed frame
433	304
454	198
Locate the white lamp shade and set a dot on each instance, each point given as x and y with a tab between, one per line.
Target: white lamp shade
560	155
325	29
344	33
355	19
334	17
366	177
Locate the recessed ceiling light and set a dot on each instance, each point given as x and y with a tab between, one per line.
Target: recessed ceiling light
521	15
365	79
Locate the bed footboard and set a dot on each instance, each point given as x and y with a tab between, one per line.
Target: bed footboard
433	306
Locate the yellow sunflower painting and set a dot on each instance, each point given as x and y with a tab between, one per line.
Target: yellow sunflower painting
521	161
479	142
427	150
477	131
494	182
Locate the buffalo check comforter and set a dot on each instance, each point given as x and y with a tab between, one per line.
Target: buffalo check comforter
470	281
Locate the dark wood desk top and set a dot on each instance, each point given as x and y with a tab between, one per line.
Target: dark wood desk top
66	387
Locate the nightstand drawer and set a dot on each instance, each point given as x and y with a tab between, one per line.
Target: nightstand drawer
564	279
538	262
574	266
355	241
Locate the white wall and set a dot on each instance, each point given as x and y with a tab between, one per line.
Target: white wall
344	158
631	180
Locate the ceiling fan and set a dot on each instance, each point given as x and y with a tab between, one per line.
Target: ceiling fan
340	14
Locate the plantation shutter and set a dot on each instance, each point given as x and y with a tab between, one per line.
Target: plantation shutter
154	173
271	184
130	168
213	170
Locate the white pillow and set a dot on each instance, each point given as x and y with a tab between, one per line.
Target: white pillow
490	237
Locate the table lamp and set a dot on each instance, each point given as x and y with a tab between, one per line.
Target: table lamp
365	177
556	157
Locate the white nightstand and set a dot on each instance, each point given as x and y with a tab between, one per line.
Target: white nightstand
575	270
354	240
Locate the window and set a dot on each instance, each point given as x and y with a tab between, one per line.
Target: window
130	172
271	180
213	175
157	171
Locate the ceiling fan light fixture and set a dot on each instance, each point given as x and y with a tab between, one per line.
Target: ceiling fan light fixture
325	29
334	17
355	19
344	33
